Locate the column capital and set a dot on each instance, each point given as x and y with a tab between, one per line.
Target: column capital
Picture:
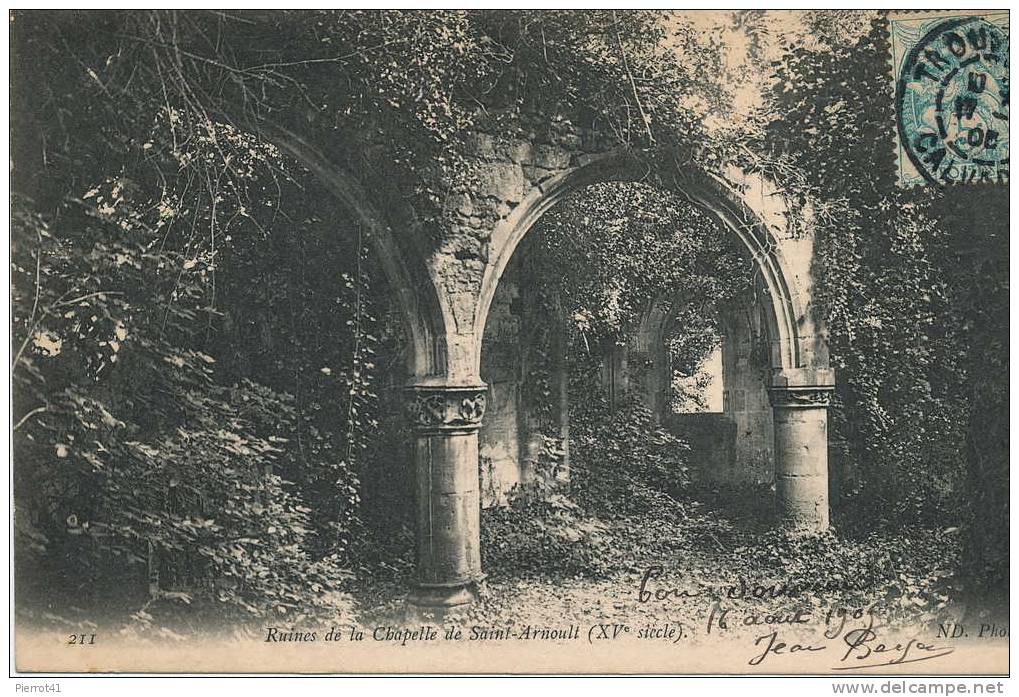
434	407
801	396
802	388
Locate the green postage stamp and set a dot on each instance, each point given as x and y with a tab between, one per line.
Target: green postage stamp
951	96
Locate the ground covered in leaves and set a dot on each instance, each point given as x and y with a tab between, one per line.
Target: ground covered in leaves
691	556
700	554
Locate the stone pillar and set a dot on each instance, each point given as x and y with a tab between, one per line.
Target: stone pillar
800	399
446	419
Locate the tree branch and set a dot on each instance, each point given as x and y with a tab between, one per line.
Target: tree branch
629	75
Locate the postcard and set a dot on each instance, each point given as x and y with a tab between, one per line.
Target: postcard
600	341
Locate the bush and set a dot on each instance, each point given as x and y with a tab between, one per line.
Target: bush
624	464
137	454
543	528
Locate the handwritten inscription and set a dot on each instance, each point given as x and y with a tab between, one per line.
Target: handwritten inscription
741	589
778	648
856	646
862	644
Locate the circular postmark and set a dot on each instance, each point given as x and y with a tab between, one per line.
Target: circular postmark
952	102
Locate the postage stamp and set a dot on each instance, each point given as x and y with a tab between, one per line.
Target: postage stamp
951	97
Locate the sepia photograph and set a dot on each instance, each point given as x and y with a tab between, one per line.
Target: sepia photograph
510	342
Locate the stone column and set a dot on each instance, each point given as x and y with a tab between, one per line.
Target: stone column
800	399
446	419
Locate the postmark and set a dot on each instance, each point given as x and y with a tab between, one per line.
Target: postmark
951	98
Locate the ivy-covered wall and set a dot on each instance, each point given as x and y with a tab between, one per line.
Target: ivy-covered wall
500	369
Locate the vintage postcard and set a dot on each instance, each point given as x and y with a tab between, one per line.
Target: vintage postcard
510	341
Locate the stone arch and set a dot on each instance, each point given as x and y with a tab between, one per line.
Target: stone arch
657	321
732	445
753	209
421	307
447	300
788	287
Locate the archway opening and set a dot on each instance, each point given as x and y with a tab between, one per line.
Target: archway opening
596	335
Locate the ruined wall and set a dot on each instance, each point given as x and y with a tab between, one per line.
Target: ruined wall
504	167
513	178
734	445
509	439
499	442
745	367
446	269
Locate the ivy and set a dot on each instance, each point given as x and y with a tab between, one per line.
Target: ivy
897	294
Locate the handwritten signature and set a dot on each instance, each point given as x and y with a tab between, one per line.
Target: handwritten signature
861	644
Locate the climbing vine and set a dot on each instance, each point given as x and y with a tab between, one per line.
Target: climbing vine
898	293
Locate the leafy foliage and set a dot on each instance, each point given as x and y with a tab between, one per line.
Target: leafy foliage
907	285
160	284
890	283
623	467
624	463
132	452
910	575
543	528
616	248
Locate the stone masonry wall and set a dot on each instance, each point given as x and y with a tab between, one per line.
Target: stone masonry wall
745	371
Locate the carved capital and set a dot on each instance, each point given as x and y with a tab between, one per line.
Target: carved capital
801	396
446	408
